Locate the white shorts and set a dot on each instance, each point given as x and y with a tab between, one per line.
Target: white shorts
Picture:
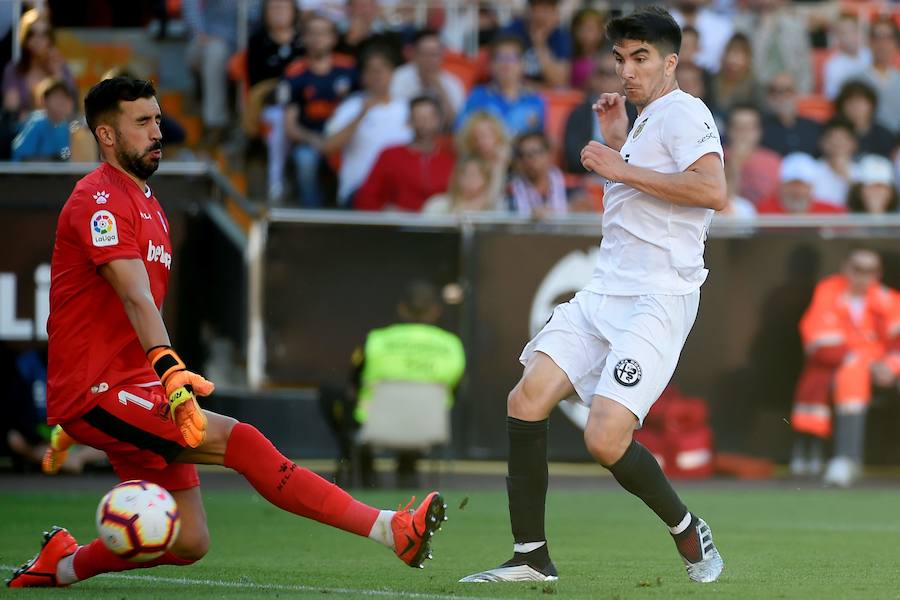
621	347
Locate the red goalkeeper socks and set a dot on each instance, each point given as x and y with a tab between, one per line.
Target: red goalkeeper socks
95	558
292	488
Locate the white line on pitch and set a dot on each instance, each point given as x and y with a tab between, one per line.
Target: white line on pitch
274	586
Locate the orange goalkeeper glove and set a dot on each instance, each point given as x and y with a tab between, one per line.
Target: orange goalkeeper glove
181	385
57	451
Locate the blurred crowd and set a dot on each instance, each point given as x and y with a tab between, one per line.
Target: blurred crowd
406	106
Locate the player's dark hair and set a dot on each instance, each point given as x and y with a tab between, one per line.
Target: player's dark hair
381	51
653	25
102	100
426	99
506	39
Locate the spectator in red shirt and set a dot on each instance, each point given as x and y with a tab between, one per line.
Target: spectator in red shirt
404	177
798	176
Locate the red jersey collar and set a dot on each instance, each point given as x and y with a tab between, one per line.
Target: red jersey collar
123	178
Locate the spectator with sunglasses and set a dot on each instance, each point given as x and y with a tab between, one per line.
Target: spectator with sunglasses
538	188
40	59
506	96
783	130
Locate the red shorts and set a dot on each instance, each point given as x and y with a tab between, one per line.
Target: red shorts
131	424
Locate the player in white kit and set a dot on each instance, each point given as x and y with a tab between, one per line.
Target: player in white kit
616	343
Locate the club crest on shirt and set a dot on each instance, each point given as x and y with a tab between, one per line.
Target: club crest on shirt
103	229
628	372
639	128
101	197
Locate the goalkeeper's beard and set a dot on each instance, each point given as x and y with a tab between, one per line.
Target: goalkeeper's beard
141	165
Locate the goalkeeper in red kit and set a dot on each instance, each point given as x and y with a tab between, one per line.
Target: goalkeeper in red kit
115	382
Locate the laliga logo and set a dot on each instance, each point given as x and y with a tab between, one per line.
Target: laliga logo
14	328
567	276
159	254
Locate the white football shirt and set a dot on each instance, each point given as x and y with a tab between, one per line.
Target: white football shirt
651	246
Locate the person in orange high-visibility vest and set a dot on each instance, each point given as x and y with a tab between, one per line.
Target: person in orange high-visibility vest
851	335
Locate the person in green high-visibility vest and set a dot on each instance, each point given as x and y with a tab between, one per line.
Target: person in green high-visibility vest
414	349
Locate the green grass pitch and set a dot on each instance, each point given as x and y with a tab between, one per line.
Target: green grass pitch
776	544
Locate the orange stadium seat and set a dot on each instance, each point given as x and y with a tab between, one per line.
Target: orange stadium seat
815	106
559	106
465	68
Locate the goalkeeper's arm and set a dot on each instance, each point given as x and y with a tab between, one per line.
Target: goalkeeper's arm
129	279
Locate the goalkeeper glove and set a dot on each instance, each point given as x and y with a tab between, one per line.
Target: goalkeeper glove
181	385
57	451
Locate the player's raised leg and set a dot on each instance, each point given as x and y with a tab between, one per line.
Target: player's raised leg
542	387
609	438
279	480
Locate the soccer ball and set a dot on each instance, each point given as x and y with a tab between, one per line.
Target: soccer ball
138	520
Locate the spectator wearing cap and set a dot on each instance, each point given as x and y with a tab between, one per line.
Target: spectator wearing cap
883	75
783	130
404	177
795	195
851	57
713	31
838	143
506	96
873	191
538	188
546	46
45	135
751	169
858	103
424	75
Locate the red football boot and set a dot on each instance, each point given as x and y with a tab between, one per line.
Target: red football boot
40	571
413	530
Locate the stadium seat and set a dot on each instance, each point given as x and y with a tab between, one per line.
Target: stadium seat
465	68
816	107
560	104
406	415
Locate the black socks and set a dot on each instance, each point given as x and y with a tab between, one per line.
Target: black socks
526	484
639	473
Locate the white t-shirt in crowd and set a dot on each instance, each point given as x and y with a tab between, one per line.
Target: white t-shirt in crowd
407	84
651	246
383	126
830	186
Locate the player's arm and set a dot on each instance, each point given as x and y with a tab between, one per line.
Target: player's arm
702	184
129	279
